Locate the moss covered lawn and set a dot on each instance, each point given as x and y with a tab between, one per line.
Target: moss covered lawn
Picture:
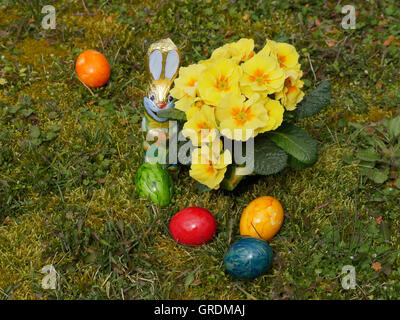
68	155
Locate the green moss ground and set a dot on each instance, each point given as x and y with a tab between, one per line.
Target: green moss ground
66	191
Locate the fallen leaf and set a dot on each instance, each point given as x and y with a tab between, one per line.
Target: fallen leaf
196	282
109	19
389	41
122	121
115	268
376	266
379	84
387	269
6	220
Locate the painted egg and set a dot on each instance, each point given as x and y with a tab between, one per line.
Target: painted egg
248	258
193	225
262	218
92	68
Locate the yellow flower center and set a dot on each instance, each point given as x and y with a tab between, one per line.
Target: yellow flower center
191	82
248	56
210	169
242	115
282	60
222	84
291	89
259	77
203	125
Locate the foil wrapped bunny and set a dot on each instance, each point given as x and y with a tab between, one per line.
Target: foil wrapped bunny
162	64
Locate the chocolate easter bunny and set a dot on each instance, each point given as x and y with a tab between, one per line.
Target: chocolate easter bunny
162	64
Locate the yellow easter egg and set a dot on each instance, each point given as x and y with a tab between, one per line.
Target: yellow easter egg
262	218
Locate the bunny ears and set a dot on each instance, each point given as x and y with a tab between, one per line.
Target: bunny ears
163	60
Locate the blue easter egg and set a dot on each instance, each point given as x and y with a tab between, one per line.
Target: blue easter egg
248	258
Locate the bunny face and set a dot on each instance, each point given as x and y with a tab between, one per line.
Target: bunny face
163	60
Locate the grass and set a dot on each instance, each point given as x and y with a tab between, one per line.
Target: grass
68	157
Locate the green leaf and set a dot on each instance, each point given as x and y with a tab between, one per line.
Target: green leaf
189	279
135	119
35	132
378	176
26	112
393	127
296	164
296	142
51	135
368	155
314	102
268	157
13	110
172	114
202	188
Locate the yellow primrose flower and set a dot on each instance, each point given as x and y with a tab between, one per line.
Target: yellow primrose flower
269	49
238	118
245	47
219	79
209	164
291	94
275	115
201	127
287	56
196	106
294	74
238	51
185	86
261	74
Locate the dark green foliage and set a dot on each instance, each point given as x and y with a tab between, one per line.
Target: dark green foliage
268	158
172	114
381	151
314	101
296	142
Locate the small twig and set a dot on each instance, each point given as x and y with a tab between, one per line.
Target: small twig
116	55
312	68
86	86
323	205
245	292
84	6
230	231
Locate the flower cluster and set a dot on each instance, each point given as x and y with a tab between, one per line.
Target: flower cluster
236	93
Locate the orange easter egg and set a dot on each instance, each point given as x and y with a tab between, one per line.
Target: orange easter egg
92	68
262	218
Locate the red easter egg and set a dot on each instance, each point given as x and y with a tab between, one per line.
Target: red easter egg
193	225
